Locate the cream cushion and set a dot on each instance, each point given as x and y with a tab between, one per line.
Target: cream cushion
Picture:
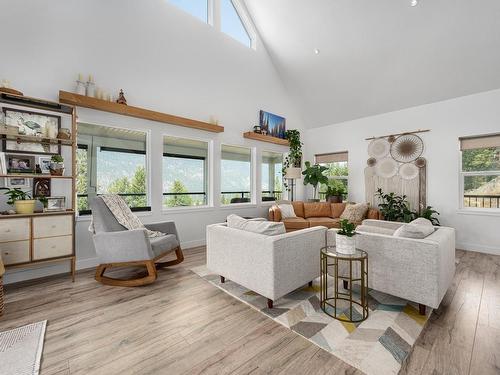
374	229
421	221
268	228
417	231
355	212
287	211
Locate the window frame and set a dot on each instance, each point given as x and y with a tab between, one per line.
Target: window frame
209	174
92	176
261	177
461	182
253	172
346	178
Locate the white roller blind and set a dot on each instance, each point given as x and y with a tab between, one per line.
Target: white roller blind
331	157
483	141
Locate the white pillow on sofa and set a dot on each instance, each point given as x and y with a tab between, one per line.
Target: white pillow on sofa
421	221
268	228
287	210
416	231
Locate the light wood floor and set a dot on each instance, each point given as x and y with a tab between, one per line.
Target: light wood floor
182	324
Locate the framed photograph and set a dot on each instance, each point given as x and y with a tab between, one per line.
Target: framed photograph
41	187
18	182
56	204
33	124
44	163
20	163
272	124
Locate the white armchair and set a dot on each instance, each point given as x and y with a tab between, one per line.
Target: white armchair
272	266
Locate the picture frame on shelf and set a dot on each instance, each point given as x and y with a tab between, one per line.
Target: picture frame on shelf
19	163
56	204
44	163
18	182
33	124
41	187
272	125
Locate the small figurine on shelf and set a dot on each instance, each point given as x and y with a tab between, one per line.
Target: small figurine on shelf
121	98
90	87
80	85
257	129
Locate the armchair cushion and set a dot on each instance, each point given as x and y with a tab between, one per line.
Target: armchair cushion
323	221
163	244
337	209
298	207
317	209
296	223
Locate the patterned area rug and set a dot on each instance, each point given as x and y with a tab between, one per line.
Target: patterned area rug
21	349
380	345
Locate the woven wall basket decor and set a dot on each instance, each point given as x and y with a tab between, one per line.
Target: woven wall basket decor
407	148
379	148
386	168
408	171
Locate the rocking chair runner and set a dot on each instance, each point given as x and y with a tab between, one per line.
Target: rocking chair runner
116	246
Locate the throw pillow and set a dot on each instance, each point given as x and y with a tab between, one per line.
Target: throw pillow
421	221
287	211
416	231
268	228
355	212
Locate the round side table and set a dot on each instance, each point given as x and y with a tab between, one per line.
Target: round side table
340	304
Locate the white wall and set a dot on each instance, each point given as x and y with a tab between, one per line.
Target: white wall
448	120
164	59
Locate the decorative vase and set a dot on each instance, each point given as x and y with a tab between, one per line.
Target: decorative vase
345	245
24	207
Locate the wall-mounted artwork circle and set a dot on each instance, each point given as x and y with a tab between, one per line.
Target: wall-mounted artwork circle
421	162
408	171
387	168
371	162
407	147
379	148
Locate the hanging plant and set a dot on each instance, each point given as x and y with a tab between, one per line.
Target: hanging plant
294	157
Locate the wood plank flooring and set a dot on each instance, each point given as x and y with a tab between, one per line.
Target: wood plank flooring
183	325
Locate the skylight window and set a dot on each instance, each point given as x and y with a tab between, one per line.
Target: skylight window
197	8
231	23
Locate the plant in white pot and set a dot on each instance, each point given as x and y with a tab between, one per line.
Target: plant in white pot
21	200
344	239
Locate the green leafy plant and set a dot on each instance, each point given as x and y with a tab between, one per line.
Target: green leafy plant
294	157
313	175
428	213
57	159
44	201
334	188
347	228
16	195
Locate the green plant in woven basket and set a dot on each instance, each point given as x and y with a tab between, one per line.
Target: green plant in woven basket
347	228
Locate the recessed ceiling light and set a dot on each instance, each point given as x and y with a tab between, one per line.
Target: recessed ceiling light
414	3
316	51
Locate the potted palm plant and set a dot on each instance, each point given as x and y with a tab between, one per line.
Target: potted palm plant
21	200
313	175
335	191
344	238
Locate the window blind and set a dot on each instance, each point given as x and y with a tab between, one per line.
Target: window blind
480	141
331	157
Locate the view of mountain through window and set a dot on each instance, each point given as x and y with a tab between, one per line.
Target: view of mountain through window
236	174
272	178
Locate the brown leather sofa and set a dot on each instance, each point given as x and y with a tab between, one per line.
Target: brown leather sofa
316	214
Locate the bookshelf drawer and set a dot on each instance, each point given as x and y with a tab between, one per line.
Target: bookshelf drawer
15	252
14	230
52	226
45	248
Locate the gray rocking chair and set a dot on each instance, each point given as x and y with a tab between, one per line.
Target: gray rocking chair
116	246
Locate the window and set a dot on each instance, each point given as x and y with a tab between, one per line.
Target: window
231	23
184	172
236	174
337	171
271	176
480	171
197	8
111	161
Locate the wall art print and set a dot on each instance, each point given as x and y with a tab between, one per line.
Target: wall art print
272	124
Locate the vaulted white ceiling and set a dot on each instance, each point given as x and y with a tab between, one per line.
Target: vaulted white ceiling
378	56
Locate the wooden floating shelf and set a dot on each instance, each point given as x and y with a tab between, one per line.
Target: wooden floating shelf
127	110
32	139
34	175
266	138
65	212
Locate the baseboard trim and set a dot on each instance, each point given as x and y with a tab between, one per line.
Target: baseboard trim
478	248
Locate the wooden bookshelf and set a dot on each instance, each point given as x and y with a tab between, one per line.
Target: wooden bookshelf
21	138
266	138
34	175
127	110
36	214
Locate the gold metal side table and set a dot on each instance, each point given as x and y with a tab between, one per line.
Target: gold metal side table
341	305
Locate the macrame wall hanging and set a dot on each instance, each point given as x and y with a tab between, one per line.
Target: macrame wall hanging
396	165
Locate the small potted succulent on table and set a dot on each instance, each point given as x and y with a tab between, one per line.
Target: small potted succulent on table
344	239
56	166
21	200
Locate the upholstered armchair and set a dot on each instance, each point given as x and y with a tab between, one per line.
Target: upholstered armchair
117	246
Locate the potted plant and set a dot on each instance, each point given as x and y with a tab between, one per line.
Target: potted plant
313	175
344	239
293	160
21	200
335	191
56	165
